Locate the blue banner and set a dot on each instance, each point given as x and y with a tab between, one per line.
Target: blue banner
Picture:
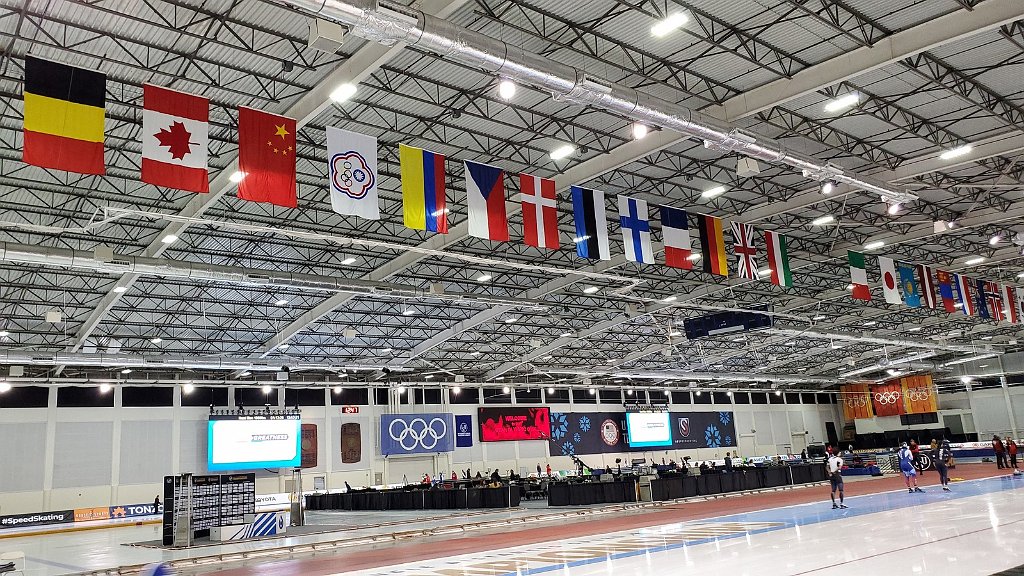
463	431
416	433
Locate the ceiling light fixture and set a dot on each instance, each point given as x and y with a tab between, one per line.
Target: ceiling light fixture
5	387
408	312
280	302
995	239
511	320
957	152
506	89
823	220
693	257
187	388
672	298
126	371
4	333
343	92
590	289
283	346
484	278
764	272
237	176
639	131
401	389
675	333
551	390
713	192
429	377
563	151
505	389
818	317
893	209
974	260
104	388
456	390
843	102
348	261
120	289
337	389
874	245
669	24
828	186
156	340
169	239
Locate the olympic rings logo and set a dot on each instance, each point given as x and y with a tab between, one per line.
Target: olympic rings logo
918	394
858	401
351	174
419	432
890	397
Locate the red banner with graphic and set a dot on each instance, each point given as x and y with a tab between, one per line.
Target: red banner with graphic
887	398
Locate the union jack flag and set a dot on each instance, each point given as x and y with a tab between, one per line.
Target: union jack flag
746	252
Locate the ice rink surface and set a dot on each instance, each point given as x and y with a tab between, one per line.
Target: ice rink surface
975	529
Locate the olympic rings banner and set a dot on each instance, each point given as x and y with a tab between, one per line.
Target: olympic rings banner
856	400
417	433
887	399
919	394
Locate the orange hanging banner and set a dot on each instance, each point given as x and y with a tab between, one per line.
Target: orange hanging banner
919	394
856	401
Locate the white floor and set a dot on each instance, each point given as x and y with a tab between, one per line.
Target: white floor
895	533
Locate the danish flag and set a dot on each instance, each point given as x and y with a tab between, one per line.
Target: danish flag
540	211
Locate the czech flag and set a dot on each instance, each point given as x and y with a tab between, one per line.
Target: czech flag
423	198
485	194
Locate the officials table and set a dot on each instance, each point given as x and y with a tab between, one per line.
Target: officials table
454	499
678	486
581	493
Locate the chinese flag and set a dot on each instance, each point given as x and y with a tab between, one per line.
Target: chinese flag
266	157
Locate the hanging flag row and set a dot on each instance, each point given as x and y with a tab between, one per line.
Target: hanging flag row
914	286
64	129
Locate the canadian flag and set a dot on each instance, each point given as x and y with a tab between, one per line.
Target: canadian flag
175	133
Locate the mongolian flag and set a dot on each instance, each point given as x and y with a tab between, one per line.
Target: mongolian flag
946	291
64	115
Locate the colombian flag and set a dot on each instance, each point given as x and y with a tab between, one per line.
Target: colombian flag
64	116
712	246
423	189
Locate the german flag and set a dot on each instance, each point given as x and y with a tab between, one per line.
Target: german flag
712	245
64	116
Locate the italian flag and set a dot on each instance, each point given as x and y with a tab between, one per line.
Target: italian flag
858	276
778	258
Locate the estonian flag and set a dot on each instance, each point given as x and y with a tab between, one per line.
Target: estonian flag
64	116
591	226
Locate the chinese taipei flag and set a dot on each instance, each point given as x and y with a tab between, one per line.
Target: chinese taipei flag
485	194
352	169
175	133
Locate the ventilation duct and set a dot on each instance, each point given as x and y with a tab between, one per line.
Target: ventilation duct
391	24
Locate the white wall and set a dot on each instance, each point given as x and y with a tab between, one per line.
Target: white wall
60	458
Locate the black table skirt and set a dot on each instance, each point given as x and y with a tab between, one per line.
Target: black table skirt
673	487
416	499
579	494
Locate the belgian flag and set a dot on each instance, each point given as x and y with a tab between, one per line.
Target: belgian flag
64	113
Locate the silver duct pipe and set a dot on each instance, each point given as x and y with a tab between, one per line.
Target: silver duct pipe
111	263
389	24
689	376
857	338
135	361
